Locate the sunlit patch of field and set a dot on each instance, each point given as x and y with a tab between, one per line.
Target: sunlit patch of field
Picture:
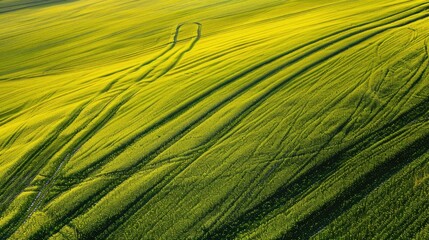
214	119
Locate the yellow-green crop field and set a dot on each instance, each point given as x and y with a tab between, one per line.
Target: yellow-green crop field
214	119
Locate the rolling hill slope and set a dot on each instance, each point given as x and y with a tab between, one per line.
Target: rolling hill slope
214	119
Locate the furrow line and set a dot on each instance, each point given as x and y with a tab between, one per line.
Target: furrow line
314	176
192	102
26	172
248	110
323	216
253	106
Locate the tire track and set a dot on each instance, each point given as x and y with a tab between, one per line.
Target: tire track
346	123
11	139
190	47
69	154
418	75
73	149
11	227
332	209
190	103
28	168
419	70
32	155
197	124
314	176
254	104
135	69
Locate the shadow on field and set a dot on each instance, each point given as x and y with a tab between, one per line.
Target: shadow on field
16	5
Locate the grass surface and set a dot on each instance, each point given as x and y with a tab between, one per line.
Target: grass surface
214	119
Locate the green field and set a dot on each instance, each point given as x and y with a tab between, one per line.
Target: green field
214	119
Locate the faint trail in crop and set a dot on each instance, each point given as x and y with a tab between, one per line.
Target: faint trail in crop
9	115
125	95
153	60
314	176
187	105
235	227
230	227
189	48
254	104
330	210
307	56
277	87
68	154
10	182
13	136
25	172
146	78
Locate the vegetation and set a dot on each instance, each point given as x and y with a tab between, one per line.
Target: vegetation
214	119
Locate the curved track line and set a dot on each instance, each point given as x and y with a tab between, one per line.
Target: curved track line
45	187
190	103
272	90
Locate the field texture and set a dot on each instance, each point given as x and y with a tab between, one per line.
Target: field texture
214	119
